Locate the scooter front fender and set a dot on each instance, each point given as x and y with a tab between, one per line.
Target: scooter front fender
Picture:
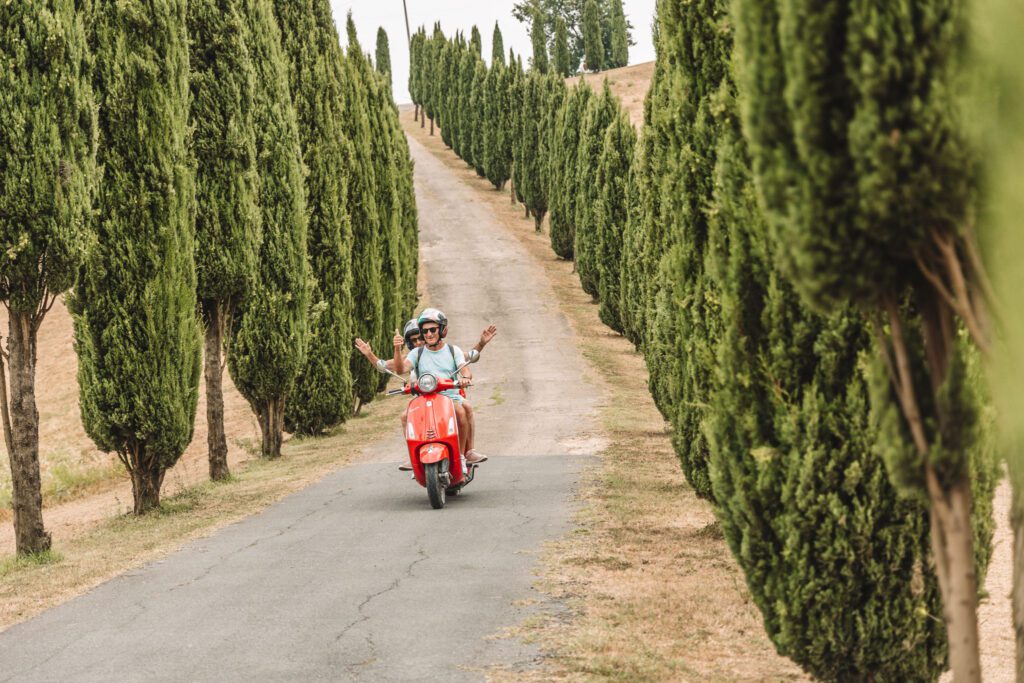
432	452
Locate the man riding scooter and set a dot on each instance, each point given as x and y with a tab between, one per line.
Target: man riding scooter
413	337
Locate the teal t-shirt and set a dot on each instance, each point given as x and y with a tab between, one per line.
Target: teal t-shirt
438	363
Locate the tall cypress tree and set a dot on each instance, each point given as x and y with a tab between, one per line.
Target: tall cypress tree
497	47
444	89
540	42
270	330
136	329
611	213
564	190
227	219
593	45
416	47
466	113
475	42
599	114
865	172
478	104
561	50
323	392
496	152
48	153
619	53
383	55
364	196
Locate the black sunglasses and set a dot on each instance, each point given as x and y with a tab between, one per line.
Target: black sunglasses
430	330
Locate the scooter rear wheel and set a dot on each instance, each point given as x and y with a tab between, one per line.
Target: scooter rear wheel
435	487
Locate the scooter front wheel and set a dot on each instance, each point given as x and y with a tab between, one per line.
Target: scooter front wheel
435	486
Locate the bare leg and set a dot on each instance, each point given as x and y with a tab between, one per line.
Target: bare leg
470	426
460	416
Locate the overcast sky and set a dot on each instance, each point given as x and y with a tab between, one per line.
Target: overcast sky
462	14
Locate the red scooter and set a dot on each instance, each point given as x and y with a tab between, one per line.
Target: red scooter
432	435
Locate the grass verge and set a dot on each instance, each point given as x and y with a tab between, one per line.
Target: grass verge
30	585
652	591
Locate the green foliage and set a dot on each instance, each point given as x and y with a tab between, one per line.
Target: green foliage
561	51
540	43
270	335
227	222
497	47
136	330
475	43
619	53
463	94
323	391
614	175
417	47
599	114
497	119
563	173
542	97
47	149
444	103
383	55
478	105
593	47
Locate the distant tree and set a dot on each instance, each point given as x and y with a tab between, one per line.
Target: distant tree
564	192
228	226
475	42
593	46
540	43
599	114
497	47
478	105
322	397
384	55
542	97
611	213
465	111
571	12
416	47
561	52
497	121
619	53
137	332
270	330
47	187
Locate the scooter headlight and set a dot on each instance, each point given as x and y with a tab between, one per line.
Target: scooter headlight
427	384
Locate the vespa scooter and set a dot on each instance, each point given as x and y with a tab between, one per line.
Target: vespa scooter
432	434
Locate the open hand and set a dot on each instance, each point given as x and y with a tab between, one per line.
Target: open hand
363	347
487	335
398	341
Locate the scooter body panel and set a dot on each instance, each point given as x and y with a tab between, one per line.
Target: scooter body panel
432	435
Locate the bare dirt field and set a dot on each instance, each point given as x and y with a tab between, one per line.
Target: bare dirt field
629	83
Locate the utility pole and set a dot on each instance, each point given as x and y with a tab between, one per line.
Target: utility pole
408	35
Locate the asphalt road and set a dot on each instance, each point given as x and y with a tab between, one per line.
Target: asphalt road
356	578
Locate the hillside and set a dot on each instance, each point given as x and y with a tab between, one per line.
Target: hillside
629	84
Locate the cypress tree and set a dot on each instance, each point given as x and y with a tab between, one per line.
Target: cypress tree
444	90
542	97
227	218
323	394
561	54
416	46
872	191
564	190
540	42
478	105
619	54
593	46
466	113
611	213
364	197
136	329
631	285
48	153
497	47
517	94
270	329
600	113
496	154
383	55
476	43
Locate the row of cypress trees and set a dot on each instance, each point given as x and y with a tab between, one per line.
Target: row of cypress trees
788	329
211	167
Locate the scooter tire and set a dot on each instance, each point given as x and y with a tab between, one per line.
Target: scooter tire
435	488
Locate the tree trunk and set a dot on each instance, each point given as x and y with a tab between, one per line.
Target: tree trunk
953	547
423	118
538	221
271	418
1017	522
416	113
431	125
526	211
147	478
30	535
512	191
214	313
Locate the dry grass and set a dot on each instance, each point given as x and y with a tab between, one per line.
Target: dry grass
652	590
29	586
630	84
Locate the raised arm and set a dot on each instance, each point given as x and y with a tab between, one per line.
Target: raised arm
485	337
